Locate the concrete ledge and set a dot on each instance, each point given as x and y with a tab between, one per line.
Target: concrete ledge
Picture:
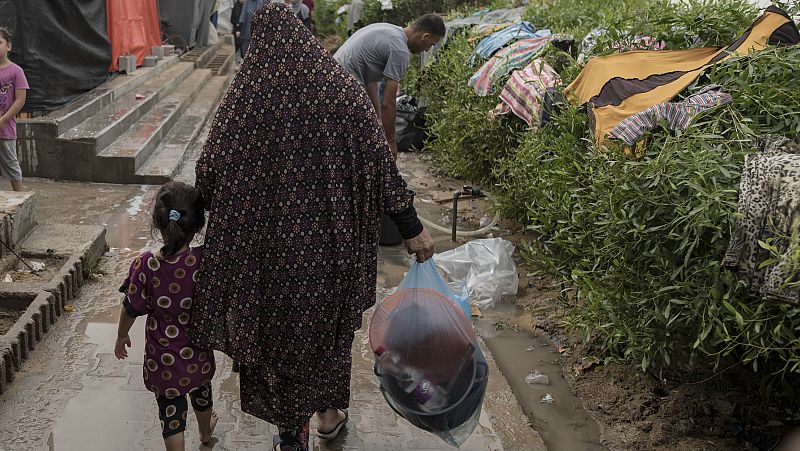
20	208
46	299
177	147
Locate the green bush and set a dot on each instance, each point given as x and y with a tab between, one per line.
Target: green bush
406	11
325	18
579	17
640	241
466	142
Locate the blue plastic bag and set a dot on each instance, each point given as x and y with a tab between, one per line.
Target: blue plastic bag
425	275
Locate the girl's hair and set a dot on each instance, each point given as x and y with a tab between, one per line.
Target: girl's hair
5	34
178	230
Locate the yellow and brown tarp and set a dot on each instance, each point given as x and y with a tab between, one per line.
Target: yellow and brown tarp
620	85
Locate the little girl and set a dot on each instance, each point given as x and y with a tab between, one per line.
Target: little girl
161	286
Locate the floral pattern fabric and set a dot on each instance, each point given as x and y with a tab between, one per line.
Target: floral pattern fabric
295	174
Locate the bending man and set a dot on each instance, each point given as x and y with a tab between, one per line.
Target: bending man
380	52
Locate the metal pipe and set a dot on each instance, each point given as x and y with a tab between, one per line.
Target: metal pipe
456	195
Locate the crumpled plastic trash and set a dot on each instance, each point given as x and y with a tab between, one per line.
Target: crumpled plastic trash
537	378
8	279
35	267
548	399
485	267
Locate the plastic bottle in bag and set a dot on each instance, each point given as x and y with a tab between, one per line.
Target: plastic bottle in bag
428	362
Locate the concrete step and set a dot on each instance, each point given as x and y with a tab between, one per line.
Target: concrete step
72	114
105	127
128	153
223	61
167	160
202	56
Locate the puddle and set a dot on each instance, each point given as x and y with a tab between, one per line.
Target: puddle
135	204
110	392
564	425
121	209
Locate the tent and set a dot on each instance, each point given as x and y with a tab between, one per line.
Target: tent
68	47
620	85
62	45
133	28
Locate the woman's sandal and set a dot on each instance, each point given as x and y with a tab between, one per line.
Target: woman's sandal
336	430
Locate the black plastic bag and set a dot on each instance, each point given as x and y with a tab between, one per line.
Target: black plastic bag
410	126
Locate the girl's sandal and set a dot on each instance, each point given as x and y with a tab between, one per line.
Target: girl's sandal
336	430
298	442
277	444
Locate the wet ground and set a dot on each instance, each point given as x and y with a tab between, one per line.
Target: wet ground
74	395
564	424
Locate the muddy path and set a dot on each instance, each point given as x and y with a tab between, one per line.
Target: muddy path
564	424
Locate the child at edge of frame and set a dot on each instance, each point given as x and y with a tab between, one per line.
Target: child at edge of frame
13	92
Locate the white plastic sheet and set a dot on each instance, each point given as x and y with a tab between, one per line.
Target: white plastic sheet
224	25
485	267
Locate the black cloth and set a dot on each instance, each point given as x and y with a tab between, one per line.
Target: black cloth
410	124
236	14
174	411
63	46
408	223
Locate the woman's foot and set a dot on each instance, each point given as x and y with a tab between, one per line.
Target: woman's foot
206	436
330	422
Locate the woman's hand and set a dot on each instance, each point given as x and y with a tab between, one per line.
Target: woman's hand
421	246
119	347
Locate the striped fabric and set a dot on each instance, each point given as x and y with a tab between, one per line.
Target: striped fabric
503	62
524	91
677	115
499	39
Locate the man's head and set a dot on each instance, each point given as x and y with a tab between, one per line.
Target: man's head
426	32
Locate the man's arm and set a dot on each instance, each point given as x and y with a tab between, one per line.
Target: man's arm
389	112
16	107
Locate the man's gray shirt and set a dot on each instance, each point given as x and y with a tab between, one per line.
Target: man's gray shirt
374	52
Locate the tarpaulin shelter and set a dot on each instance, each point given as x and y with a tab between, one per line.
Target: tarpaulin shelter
618	86
62	45
134	29
68	47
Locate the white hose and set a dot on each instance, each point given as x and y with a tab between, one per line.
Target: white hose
463	233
